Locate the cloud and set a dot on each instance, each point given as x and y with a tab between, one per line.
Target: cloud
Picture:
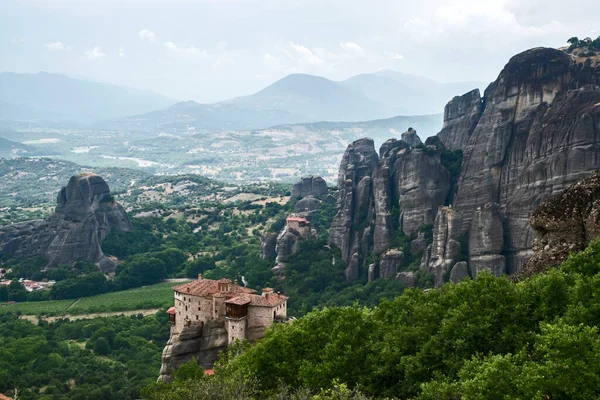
95	54
18	40
491	23
185	52
392	55
57	46
353	48
147	35
122	52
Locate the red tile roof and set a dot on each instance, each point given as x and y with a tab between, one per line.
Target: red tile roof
3	397
238	301
171	310
272	300
297	219
209	371
207	287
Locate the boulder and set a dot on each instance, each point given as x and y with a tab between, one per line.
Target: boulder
389	263
310	186
408	279
459	272
411	138
307	204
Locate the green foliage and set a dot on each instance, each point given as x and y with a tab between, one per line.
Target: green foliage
484	338
54	360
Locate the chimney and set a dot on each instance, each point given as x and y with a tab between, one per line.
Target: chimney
199	277
266	292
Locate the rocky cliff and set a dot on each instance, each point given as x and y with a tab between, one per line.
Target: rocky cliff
564	224
85	214
534	132
201	342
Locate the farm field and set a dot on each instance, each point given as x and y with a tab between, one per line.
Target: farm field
143	298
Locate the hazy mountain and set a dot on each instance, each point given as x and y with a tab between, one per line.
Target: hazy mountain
301	98
15	112
194	117
407	94
60	96
9	149
316	99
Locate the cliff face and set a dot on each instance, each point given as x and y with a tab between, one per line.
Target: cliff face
564	224
201	342
85	214
535	131
402	188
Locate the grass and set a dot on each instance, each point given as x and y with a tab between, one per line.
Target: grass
143	298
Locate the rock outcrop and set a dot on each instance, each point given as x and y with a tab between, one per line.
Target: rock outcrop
445	250
85	214
297	228
532	134
459	272
310	186
537	134
268	242
390	263
413	181
564	224
486	240
307	204
202	342
461	116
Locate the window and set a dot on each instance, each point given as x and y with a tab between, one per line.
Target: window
196	317
199	309
185	308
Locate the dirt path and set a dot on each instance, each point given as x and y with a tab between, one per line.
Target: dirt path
75	302
35	319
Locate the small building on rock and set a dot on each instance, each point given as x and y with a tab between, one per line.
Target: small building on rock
246	314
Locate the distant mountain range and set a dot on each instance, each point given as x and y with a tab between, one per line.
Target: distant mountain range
54	97
296	98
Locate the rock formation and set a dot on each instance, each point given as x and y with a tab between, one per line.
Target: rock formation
85	214
459	272
486	240
307	204
445	250
564	224
532	134
297	228
390	263
202	342
268	241
310	186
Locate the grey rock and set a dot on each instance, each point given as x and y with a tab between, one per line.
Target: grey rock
354	204
391	144
486	234
418	245
268	241
537	135
307	204
422	184
389	263
459	272
411	138
371	273
85	214
201	342
461	116
494	263
445	249
310	186
407	278
564	224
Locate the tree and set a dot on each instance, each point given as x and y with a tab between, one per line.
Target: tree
102	347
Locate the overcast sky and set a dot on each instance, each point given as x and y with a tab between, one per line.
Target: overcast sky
209	50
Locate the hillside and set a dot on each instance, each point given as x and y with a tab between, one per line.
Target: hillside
55	96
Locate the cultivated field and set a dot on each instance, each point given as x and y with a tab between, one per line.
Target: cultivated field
144	298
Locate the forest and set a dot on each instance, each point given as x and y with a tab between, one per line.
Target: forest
488	338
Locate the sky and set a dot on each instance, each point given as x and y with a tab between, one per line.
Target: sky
211	50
